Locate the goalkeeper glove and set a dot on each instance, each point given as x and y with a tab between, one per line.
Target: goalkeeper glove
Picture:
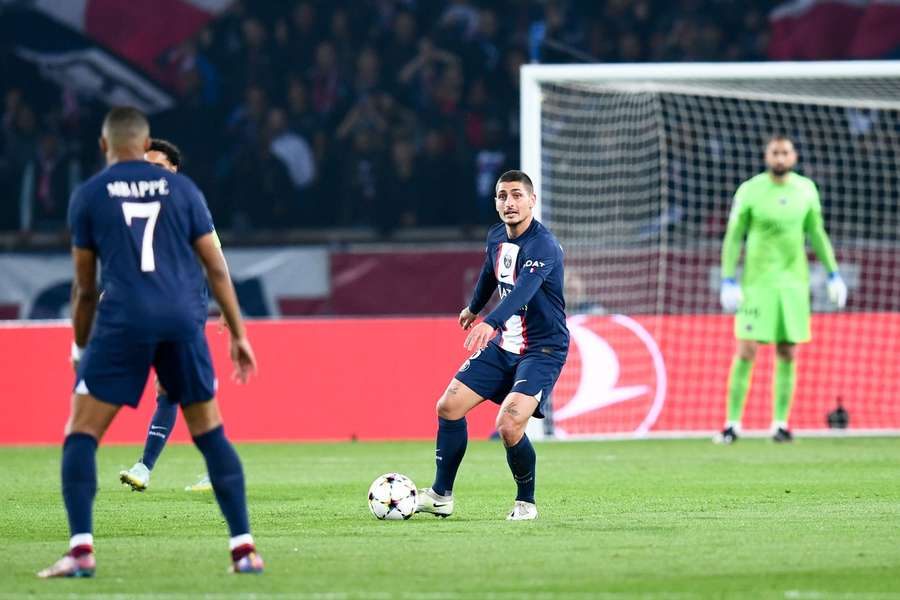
730	296
837	290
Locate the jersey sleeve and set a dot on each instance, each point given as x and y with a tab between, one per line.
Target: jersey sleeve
80	222
738	222
487	283
201	221
540	259
814	226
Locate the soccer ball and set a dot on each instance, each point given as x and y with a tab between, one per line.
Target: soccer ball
393	496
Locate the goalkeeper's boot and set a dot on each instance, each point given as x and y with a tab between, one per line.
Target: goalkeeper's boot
782	436
522	511
429	501
138	477
202	485
726	436
248	560
70	565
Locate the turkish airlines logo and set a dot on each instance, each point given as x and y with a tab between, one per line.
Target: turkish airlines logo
614	380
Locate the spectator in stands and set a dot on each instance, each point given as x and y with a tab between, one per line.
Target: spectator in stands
47	182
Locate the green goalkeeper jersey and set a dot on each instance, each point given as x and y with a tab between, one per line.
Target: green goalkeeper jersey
776	218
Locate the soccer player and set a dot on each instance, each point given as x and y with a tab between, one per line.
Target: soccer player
165	154
519	348
777	211
147	227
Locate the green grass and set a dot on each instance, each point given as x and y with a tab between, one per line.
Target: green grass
656	519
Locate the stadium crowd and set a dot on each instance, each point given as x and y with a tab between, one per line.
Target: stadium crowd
381	114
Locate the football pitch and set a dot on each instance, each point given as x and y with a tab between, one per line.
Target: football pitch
651	519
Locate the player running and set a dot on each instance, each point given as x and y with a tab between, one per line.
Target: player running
777	210
147	227
166	155
520	347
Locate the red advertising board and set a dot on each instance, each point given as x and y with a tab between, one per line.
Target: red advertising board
341	379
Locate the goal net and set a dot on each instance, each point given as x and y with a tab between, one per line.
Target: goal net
635	169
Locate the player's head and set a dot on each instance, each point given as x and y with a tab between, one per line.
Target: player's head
515	197
125	132
781	156
165	154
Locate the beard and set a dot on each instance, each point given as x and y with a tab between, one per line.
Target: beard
779	171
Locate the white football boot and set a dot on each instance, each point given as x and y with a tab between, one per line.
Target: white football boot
138	477
522	511
429	501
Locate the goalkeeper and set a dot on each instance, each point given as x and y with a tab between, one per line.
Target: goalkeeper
776	210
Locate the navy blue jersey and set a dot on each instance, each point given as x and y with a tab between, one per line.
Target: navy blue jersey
528	274
142	221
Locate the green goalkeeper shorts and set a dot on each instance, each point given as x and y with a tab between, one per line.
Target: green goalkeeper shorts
772	315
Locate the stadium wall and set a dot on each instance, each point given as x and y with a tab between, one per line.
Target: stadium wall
371	379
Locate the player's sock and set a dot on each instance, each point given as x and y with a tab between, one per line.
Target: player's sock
522	460
452	439
79	480
785	380
160	430
738	382
227	476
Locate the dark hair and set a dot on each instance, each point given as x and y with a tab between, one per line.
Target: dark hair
516	175
173	154
125	125
778	137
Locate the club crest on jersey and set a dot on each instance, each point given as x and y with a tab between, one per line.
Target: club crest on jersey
507	261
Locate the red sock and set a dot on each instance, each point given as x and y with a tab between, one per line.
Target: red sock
81	550
242	551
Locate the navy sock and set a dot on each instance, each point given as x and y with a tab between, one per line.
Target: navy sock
160	430
522	460
227	477
79	480
452	438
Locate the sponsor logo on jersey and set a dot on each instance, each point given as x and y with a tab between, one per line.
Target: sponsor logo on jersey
614	380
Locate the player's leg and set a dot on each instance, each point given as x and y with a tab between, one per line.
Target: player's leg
450	446
512	420
738	385
87	423
783	393
138	476
112	373
185	370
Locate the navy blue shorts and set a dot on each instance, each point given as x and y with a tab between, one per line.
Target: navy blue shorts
493	373
114	369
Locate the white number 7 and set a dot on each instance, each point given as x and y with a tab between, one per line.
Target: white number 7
149	211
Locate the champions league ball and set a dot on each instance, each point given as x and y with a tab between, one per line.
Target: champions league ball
393	496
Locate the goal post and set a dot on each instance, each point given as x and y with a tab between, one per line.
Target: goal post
635	167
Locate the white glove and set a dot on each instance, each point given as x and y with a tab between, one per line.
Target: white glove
730	296
837	290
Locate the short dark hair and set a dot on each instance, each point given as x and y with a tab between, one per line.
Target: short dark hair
173	154
778	137
516	175
125	125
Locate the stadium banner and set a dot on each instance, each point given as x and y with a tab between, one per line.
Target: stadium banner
123	53
37	286
834	29
378	379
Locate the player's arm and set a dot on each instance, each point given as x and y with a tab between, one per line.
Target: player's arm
738	222
814	226
541	262
213	261
484	289
84	298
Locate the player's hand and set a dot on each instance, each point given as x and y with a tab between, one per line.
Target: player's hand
479	337
466	318
730	296
837	290
75	357
243	359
